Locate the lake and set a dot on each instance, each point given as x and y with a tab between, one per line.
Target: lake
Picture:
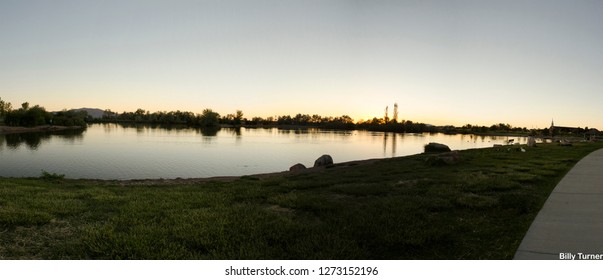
114	151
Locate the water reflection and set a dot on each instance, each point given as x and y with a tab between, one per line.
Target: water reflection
134	151
384	143
146	128
235	131
209	131
394	143
475	138
109	127
33	140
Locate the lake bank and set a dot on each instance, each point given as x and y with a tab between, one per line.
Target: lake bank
395	208
43	128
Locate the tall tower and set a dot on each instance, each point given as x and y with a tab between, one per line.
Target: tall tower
386	114
395	119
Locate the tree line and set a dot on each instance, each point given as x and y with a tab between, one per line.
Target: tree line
206	119
30	116
35	115
212	118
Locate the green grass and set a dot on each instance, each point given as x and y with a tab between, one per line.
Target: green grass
400	208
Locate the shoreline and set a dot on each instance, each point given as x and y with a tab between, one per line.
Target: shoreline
254	177
43	128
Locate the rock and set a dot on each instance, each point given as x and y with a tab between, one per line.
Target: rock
436	148
531	141
323	160
297	167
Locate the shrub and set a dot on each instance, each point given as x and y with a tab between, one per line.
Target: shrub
51	176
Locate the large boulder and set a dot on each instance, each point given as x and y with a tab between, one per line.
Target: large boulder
323	160
297	167
436	148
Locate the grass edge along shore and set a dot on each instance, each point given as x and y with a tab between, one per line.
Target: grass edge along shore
398	208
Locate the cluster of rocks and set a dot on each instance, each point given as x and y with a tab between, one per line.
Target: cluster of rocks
324	160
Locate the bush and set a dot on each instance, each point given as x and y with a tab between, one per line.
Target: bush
51	176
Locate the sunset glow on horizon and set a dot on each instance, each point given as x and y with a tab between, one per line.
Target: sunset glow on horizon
443	62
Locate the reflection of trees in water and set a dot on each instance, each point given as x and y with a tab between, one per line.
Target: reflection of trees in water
145	126
315	133
394	137
236	131
473	138
176	128
141	128
109	127
33	140
209	131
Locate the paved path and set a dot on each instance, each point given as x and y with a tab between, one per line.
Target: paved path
571	220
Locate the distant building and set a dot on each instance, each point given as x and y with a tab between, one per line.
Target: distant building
557	130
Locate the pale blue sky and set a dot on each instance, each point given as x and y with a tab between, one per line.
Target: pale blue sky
444	62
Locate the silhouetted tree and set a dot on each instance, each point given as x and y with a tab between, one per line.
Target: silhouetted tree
238	117
5	107
209	118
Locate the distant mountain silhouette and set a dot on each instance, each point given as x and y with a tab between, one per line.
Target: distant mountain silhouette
93	112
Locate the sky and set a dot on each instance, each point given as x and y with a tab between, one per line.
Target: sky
522	62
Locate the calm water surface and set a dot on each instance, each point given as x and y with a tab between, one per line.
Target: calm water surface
111	151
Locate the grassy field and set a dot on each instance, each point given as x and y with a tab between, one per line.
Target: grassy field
400	208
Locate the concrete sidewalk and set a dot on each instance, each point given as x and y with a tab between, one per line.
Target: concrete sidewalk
571	220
